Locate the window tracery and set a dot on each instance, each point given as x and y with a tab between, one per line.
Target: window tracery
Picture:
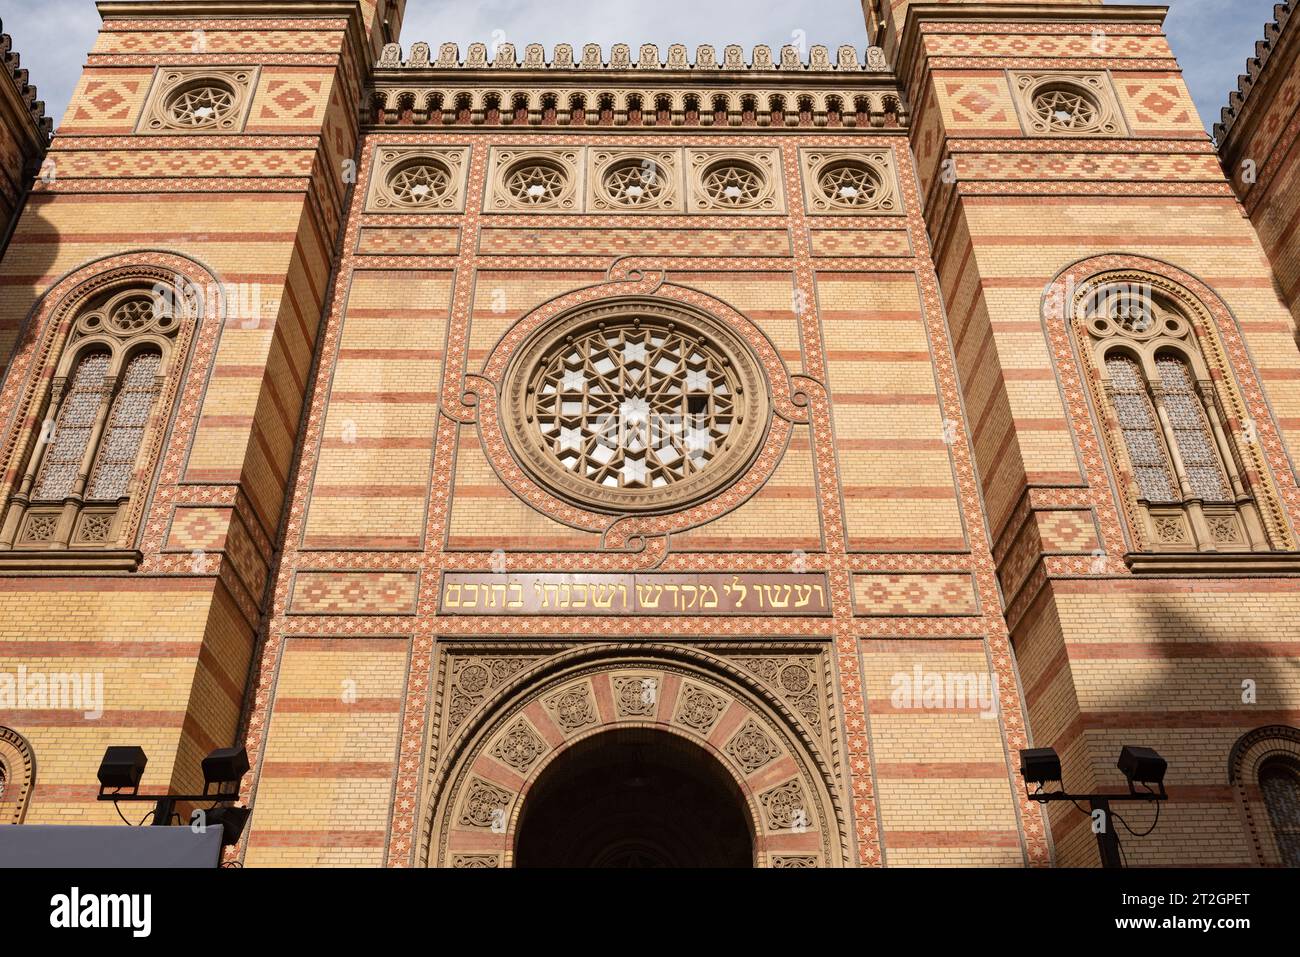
82	465
1167	433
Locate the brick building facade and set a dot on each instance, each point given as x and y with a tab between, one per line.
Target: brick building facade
644	456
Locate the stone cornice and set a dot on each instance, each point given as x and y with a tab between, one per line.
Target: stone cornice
998	15
169	9
1276	37
22	95
587	90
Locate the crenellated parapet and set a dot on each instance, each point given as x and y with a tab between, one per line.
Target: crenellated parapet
1256	139
24	89
505	57
1255	66
571	89
25	133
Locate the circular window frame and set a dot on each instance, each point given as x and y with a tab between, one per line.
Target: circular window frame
1091	87
555	200
441	200
664	198
225	121
881	200
763	199
530	452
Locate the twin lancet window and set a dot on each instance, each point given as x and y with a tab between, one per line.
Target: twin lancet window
1169	422
80	471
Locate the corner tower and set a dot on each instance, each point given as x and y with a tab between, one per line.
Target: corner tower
1133	385
164	287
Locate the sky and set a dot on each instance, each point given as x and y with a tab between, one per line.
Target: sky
1211	38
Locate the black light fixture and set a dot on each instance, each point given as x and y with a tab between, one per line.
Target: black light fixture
1142	766
230	819
122	767
1040	765
224	766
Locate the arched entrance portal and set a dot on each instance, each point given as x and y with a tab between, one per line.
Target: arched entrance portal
541	770
634	798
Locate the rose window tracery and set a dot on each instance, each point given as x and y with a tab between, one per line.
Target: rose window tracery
734	184
638	405
634	183
419	183
201	106
536	183
635	406
1067	109
851	184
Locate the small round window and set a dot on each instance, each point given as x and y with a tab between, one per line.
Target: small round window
1067	109
851	184
734	184
634	183
536	182
420	183
203	104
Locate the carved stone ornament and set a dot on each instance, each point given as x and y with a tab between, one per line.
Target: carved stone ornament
198	100
485	806
635	181
519	747
752	747
1062	103
850	181
410	179
699	709
534	180
735	181
573	708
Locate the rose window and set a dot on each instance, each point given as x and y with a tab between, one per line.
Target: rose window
201	106
634	183
419	183
851	184
134	314
636	406
733	184
536	183
1067	110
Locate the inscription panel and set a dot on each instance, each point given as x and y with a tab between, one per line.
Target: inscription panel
465	593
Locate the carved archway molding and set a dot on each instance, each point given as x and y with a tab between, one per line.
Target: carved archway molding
1224	352
1252	750
50	324
482	784
19	776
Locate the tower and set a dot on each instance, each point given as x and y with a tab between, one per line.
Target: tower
165	283
1060	158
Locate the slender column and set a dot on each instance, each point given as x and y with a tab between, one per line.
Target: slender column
1243	497
20	499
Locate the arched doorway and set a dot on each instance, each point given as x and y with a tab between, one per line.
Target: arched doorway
634	798
579	699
